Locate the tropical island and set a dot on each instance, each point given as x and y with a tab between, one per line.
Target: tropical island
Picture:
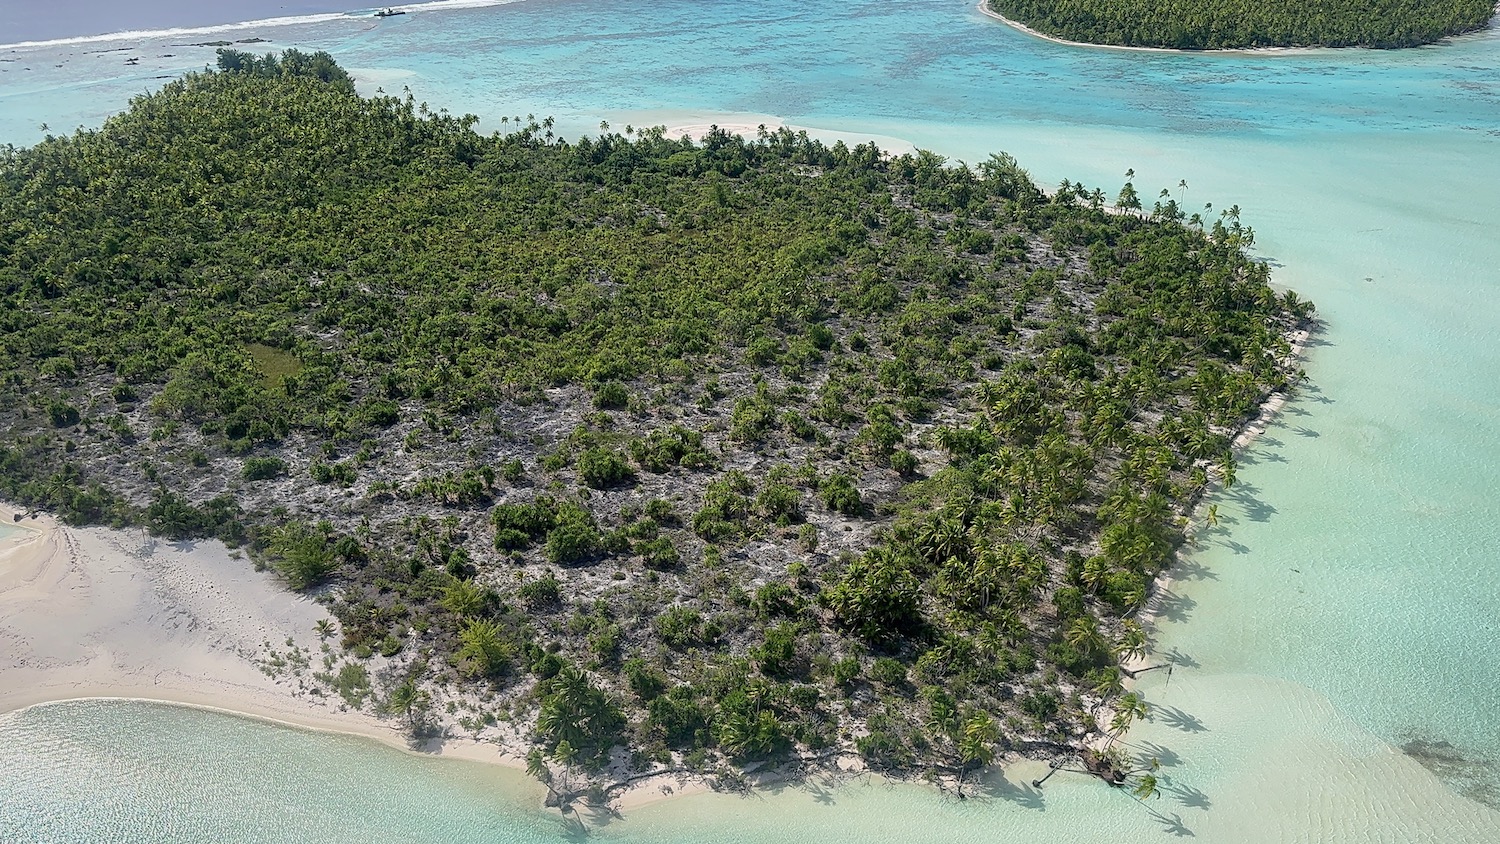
1235	24
645	453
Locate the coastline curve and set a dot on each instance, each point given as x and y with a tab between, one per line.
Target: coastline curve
983	7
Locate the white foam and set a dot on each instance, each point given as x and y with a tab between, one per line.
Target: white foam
262	23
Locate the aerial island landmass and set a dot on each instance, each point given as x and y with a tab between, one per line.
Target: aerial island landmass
1239	24
638	454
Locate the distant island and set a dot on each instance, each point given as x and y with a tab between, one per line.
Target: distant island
1237	24
637	454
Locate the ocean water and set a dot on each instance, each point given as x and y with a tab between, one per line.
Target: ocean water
1348	605
24	20
153	773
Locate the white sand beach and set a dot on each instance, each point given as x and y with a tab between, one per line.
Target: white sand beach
748	126
103	613
95	612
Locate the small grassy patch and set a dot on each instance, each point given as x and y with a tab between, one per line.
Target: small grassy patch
274	365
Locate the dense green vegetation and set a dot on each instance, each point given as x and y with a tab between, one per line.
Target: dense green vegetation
714	452
1230	24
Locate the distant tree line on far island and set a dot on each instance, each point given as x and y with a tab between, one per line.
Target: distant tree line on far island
1231	24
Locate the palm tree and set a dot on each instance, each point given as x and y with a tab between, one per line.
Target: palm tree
1226	469
944	539
566	754
578	712
464	597
1146	787
1110	684
59	486
976	745
1132	644
409	702
484	652
758	691
735	734
1084	635
942	718
1128	708
1095	573
536	766
1212	516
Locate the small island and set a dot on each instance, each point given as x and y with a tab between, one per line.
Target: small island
637	454
1236	25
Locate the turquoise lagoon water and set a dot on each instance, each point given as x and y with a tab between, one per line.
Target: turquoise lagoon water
1348	603
153	773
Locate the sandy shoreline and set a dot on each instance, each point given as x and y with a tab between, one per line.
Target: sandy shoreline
1161	586
984	9
104	614
95	612
99	613
740	125
697	131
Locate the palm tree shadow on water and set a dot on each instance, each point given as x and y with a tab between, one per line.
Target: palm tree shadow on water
586	817
821	787
1247	496
1172	606
997	786
1189	796
574	827
1176	657
1312	392
1150	751
1171	824
1171	716
1193	570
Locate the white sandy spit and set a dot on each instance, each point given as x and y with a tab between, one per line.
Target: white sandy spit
95	612
102	613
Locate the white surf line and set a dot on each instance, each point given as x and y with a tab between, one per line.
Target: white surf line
262	23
